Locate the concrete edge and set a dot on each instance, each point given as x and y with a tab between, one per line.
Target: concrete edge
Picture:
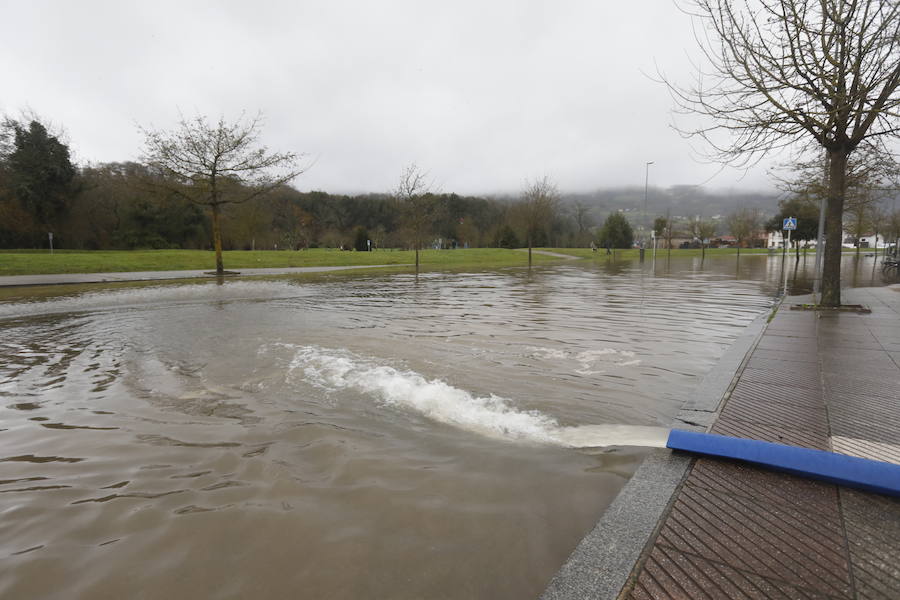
602	564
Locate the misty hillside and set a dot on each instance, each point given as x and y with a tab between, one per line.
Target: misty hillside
677	201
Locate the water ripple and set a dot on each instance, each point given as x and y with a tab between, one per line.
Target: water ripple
167	421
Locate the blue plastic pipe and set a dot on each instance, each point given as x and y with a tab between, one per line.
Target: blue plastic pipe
861	473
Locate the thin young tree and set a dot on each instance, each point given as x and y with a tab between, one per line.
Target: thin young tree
417	204
539	205
702	230
861	208
892	231
216	164
669	233
786	71
743	224
661	226
878	216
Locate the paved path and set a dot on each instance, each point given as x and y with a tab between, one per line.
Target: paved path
826	381
61	278
548	253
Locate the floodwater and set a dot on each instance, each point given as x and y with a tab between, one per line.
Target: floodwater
373	436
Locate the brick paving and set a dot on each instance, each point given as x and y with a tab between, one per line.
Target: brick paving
824	381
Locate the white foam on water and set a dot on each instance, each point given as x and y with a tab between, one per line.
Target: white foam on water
590	362
548	353
138	296
492	416
594	436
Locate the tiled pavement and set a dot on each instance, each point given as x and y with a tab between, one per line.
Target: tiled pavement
830	382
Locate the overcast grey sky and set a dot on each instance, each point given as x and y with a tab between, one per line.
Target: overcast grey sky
482	94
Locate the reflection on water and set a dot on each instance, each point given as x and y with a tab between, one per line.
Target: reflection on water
374	436
857	270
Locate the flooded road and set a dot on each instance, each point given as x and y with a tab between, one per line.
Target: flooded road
339	437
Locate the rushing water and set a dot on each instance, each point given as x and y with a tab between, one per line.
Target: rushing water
342	437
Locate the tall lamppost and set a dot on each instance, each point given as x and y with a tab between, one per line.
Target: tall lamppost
644	216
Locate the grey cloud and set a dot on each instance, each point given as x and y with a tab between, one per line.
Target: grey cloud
482	94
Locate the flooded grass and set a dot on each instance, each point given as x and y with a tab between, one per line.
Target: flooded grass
71	261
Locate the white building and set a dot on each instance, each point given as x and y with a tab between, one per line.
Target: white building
870	240
776	239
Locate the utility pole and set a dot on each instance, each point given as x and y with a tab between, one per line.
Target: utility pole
644	216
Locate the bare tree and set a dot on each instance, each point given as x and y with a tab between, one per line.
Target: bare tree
870	170
779	71
892	230
581	216
743	224
703	231
216	164
540	201
869	173
417	204
861	207
879	217
669	232
662	228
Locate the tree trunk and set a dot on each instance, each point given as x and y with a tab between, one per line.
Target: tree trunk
417	258
876	241
797	251
831	267
529	250
217	239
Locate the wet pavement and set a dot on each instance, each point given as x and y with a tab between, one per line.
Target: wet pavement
814	380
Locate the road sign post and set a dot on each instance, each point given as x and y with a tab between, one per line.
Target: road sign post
789	225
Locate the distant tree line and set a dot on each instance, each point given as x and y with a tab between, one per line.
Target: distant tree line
137	205
151	205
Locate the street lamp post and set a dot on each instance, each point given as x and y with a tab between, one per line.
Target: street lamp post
644	216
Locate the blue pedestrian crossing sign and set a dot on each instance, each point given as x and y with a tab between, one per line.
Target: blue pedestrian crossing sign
790	224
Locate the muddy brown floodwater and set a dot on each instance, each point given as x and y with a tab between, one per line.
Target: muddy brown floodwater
338	437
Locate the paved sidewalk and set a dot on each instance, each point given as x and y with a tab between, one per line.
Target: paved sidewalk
548	253
816	380
63	278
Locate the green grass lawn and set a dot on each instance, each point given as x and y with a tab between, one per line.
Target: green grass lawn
36	262
20	262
